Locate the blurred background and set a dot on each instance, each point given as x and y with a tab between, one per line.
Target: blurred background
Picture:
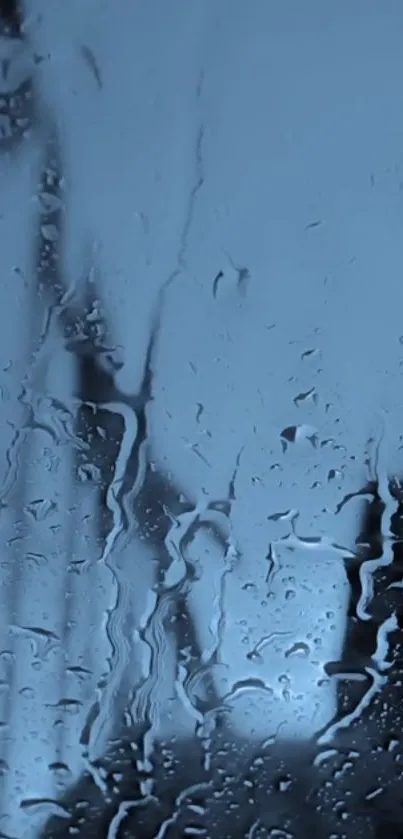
201	351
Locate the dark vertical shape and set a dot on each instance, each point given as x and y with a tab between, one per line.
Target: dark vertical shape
99	428
376	764
361	636
11	18
16	104
17	118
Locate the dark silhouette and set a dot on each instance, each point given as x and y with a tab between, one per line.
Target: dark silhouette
10	11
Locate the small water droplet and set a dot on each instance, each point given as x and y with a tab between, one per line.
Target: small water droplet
335	474
61	773
299	434
27	693
298	649
50	232
43	640
36	558
49	202
287	515
70	706
392	744
308	395
40	509
313	224
88	472
308	353
284	783
80	672
374	793
289	433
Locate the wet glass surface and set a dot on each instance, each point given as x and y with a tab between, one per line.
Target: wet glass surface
201	351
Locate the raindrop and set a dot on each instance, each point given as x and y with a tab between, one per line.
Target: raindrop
308	353
392	744
243	275
308	395
71	706
299	434
90	59
313	224
289	434
298	649
7	656
80	672
323	756
88	472
48	804
288	515
200	409
50	203
36	558
284	783
334	474
244	685
43	640
374	794
61	773
216	282
27	693
50	232
40	509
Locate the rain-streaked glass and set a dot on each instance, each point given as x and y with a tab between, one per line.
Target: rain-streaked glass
201	262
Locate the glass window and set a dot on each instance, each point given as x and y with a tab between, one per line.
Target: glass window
201	349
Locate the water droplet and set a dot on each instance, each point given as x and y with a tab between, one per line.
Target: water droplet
49	202
335	474
299	434
88	472
81	672
392	744
50	232
288	515
313	224
284	783
43	640
289	433
308	353
61	772
308	395
244	685
40	509
27	693
374	793
298	649
36	558
49	805
71	706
